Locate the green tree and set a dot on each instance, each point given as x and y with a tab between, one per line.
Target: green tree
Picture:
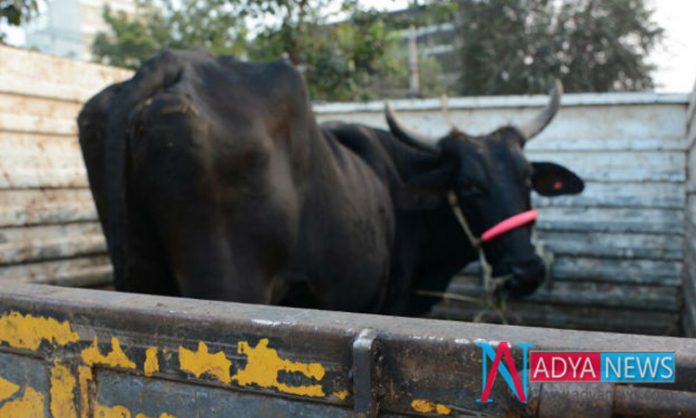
15	12
519	46
210	24
343	60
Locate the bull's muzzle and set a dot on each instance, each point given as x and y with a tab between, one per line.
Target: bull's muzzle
527	276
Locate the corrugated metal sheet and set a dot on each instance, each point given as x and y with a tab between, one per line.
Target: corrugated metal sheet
689	313
48	227
619	246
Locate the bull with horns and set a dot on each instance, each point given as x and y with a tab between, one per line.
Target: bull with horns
213	180
459	198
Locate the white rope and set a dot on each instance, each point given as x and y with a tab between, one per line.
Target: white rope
454	203
489	282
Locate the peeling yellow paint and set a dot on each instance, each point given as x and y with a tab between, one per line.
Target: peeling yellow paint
116	358
263	365
201	361
26	331
7	389
341	394
120	411
31	405
62	392
426	406
84	376
151	364
442	409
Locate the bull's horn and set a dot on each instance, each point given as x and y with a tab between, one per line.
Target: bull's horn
532	128
408	136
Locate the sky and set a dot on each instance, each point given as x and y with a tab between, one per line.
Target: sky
675	59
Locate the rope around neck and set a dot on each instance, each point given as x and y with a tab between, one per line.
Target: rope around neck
490	283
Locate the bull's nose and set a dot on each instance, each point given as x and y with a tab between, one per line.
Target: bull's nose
529	270
527	277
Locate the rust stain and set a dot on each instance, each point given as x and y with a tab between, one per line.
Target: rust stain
151	364
31	405
62	392
27	331
264	363
201	361
116	358
425	406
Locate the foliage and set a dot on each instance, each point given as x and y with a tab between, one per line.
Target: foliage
341	61
350	53
396	85
518	46
15	12
424	13
209	24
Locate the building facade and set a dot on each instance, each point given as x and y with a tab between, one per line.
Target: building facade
67	28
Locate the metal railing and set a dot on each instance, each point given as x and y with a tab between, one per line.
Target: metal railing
79	352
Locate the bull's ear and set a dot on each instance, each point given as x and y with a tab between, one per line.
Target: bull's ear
551	179
427	190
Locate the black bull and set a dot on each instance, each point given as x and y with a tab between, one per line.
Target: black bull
213	180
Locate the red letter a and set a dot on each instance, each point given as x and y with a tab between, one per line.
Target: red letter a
503	350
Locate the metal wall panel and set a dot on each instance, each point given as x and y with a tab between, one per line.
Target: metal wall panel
690	224
48	228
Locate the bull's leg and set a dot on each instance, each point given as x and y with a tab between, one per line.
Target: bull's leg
398	296
295	294
400	289
147	275
210	265
146	269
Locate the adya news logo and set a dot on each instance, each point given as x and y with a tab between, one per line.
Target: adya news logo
569	366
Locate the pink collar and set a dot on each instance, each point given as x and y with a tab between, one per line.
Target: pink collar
509	224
